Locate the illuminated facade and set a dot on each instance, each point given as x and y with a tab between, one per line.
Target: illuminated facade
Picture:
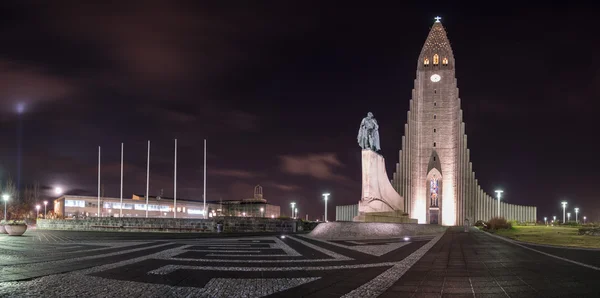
434	173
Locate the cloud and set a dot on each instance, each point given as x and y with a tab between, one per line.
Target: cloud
320	166
243	121
27	85
234	173
280	186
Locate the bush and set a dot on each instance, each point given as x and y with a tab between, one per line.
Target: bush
480	224
497	223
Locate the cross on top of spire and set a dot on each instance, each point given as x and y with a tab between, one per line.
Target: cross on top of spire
437	19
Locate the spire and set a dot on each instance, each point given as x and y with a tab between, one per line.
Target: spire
437	43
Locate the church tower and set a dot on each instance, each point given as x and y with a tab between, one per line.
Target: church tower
434	174
430	144
436	108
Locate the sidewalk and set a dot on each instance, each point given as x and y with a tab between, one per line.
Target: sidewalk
475	264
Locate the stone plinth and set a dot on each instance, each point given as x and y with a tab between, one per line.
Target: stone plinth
378	194
372	230
391	216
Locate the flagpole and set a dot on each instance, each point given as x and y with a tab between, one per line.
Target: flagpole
204	195
175	184
98	181
121	210
147	178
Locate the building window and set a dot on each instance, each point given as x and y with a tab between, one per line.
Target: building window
436	59
434	91
433	144
426	62
434	130
434	158
434	103
433	192
445	61
434	116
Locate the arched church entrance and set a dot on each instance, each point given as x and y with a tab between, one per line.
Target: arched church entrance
434	196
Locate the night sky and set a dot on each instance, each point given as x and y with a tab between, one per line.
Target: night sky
279	90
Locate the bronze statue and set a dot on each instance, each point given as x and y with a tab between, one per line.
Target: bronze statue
368	133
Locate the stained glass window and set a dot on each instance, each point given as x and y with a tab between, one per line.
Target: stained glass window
445	61
436	59
434	191
426	61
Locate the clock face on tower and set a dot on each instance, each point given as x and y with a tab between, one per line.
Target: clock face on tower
435	78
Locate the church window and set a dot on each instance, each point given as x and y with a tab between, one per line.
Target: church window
434	116
434	158
434	103
433	192
426	62
436	59
445	61
434	130
435	91
433	144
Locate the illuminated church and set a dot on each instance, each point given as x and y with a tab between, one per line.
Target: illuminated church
434	174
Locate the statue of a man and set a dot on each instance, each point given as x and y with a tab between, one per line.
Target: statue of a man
368	133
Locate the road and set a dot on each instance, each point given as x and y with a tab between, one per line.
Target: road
456	264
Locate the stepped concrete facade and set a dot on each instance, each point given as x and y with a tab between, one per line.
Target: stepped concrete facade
434	181
434	174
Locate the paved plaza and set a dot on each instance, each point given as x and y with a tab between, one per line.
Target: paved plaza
455	264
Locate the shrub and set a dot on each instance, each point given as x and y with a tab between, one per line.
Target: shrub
480	224
499	223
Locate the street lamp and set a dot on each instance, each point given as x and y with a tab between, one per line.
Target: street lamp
545	220
296	213
499	192
5	198
568	216
326	196
45	203
262	212
584	218
564	204
37	207
554	217
293	204
576	212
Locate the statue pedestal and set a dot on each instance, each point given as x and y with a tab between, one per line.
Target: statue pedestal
378	194
379	202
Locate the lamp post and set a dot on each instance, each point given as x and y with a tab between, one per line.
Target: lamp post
5	198
499	192
554	217
293	204
576	212
37	207
326	196
564	205
584	218
568	216
545	220
45	203
296	213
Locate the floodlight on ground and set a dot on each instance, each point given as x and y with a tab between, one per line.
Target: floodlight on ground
282	237
406	239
